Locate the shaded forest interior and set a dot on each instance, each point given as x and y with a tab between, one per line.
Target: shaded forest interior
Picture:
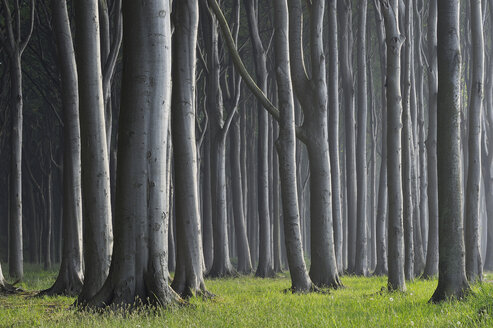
224	138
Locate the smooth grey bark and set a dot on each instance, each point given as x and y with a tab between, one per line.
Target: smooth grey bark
407	145
420	221
333	118
474	265
219	127
345	24
312	94
96	204
361	255
452	281
70	275
276	239
189	275
234	92
286	147
242	247
294	242
139	271
394	39
207	240
265	265
431	267
382	203
487	158
15	44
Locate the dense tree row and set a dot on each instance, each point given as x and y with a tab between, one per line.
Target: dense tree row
217	138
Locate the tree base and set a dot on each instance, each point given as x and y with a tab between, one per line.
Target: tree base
64	286
222	273
380	271
265	273
8	289
445	293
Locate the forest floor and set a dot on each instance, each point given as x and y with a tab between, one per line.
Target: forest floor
253	302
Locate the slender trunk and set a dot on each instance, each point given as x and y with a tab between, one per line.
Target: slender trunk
94	155
350	126
70	277
407	152
244	259
431	267
382	204
333	92
361	259
474	265
395	40
286	147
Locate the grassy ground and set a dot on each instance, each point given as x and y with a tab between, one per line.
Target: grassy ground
251	302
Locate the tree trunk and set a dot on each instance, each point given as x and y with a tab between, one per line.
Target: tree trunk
244	259
350	126
189	275
452	281
361	259
139	271
286	147
265	265
94	155
395	243
333	92
382	206
312	94
431	267
407	145
474	265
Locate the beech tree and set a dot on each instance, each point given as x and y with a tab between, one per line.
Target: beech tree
96	206
139	269
395	39
189	274
70	276
474	265
312	93
452	281
15	44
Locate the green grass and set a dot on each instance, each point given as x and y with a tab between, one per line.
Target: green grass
251	302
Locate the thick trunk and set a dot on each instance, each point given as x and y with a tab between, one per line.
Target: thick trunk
139	269
361	259
189	275
452	281
431	267
395	244
94	155
474	265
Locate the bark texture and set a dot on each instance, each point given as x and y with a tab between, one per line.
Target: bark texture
452	281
